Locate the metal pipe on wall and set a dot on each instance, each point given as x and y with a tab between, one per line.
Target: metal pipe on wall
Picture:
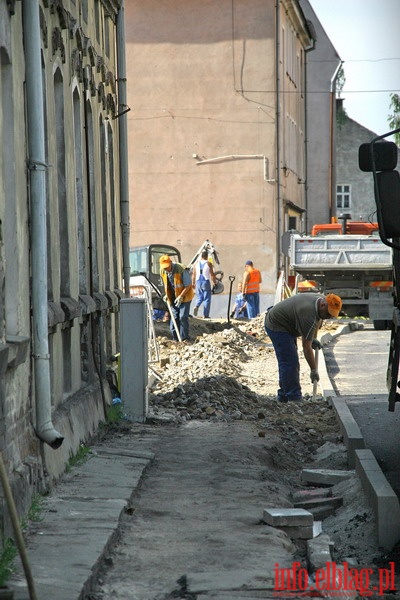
123	146
277	135
37	166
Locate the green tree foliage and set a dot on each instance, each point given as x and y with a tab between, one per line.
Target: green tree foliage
340	81
394	118
341	114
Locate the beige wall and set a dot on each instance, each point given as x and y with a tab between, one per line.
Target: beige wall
201	82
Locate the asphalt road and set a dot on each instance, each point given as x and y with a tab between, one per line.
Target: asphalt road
357	365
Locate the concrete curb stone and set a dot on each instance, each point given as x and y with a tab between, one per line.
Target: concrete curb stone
383	499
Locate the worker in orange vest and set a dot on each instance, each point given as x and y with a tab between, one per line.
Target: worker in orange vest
251	289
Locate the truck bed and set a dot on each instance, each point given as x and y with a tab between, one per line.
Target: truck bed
339	253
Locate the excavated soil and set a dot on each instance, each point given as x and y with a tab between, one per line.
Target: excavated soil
225	449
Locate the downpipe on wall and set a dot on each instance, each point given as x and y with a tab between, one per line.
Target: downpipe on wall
123	146
37	168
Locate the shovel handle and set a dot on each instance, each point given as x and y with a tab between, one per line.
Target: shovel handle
315	384
178	335
231	279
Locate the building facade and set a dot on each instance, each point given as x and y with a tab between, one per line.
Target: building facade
354	188
323	64
60	243
217	128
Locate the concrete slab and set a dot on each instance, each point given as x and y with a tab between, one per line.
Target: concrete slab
334	501
299	533
145	454
302	495
319	552
325	476
317	528
384	500
230	580
278	517
352	435
322	512
72	537
251	595
380	431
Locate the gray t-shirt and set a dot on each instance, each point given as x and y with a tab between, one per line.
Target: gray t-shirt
297	315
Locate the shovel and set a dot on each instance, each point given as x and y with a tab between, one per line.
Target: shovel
315	384
174	321
231	280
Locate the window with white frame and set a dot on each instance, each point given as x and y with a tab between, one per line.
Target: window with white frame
343	195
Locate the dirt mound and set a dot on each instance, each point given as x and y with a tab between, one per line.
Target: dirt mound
231	374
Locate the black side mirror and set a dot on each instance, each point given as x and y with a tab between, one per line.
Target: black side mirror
380	158
384	154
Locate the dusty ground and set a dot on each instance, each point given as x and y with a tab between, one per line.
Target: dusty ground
225	449
240	363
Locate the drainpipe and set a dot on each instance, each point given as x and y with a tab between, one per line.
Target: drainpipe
123	146
332	165
37	169
277	134
306	52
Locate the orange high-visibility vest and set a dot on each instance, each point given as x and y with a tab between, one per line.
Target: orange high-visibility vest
253	283
178	283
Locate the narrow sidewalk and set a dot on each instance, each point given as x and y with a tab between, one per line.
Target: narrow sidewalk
80	518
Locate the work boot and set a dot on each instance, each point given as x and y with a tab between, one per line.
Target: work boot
195	311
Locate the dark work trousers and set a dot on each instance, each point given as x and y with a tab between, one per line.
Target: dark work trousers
253	304
285	346
181	315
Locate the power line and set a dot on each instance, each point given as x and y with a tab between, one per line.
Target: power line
351	60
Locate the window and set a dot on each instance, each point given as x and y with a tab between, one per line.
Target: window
343	196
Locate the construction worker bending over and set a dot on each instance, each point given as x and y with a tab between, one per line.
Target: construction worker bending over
179	292
298	316
202	276
251	289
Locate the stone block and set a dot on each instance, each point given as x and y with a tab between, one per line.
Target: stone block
309	494
334	501
317	528
322	512
325	476
382	497
352	435
293	517
210	583
319	551
299	533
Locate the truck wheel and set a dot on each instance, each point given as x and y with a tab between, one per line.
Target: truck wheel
380	325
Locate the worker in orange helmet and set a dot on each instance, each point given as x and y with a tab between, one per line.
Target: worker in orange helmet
179	294
298	316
